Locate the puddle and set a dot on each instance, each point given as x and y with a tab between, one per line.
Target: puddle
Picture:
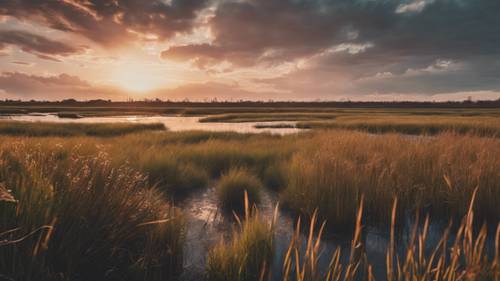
207	226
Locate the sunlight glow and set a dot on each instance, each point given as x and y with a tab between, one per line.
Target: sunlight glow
136	76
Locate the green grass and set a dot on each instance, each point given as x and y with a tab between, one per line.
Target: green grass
39	129
79	218
232	187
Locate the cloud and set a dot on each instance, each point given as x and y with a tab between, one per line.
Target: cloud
413	7
427	46
38	45
304	48
256	32
56	87
110	22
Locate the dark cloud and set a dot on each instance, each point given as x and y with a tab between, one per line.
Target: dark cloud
253	31
109	22
345	47
37	45
402	35
273	31
24	86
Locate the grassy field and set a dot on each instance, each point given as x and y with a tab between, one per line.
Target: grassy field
429	122
415	125
35	129
91	208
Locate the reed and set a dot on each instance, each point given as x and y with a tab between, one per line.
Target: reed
438	174
77	217
248	256
465	258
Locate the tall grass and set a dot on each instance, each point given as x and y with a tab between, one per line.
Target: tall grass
459	254
78	218
248	256
437	174
466	258
200	155
170	175
82	208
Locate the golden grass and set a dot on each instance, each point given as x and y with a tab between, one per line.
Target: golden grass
412	124
82	207
438	174
39	129
466	258
249	253
77	217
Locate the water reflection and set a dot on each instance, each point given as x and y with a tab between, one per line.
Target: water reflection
173	123
207	226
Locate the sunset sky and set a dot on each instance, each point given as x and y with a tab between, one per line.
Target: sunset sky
250	49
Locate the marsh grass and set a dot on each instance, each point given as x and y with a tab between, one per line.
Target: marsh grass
437	175
78	218
236	187
170	175
82	208
39	129
249	253
183	161
461	255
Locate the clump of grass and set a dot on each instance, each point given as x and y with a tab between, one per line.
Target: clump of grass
232	187
69	115
76	217
247	257
39	129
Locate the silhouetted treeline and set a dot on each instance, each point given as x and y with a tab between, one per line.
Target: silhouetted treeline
272	104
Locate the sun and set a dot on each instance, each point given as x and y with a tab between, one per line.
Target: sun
136	76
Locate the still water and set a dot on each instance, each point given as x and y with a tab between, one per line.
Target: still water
173	123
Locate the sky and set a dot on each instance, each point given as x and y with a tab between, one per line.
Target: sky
200	50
